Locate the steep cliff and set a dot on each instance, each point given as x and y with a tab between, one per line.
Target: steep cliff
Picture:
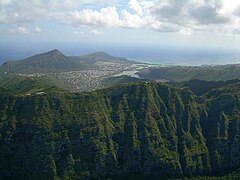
137	130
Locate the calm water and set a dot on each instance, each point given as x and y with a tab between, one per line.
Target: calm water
159	55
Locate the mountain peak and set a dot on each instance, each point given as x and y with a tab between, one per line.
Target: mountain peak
101	54
54	52
51	61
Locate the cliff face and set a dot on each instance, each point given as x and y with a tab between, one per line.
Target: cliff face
136	130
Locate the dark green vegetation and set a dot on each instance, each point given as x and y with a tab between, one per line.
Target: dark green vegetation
185	73
201	87
27	85
22	85
233	175
139	130
118	80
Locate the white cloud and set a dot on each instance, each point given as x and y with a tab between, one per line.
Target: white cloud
20	29
25	30
105	17
196	15
237	11
4	3
96	33
185	31
27	11
129	20
135	6
207	14
180	16
37	29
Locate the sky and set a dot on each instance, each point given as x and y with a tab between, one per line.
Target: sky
183	23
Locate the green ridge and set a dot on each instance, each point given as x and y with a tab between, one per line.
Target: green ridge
139	130
185	73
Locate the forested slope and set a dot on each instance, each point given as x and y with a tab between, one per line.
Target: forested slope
136	130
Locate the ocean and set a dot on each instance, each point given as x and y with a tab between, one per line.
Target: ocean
164	55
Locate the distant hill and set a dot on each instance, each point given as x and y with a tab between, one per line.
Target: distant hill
96	57
201	87
185	73
52	61
56	61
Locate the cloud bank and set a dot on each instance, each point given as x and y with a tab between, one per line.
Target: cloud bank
181	16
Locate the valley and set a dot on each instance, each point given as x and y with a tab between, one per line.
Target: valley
88	72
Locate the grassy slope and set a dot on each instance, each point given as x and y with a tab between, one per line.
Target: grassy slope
27	85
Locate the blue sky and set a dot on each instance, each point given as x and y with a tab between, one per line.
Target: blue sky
204	23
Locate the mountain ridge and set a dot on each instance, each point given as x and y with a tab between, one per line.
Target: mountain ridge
136	130
185	73
98	56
